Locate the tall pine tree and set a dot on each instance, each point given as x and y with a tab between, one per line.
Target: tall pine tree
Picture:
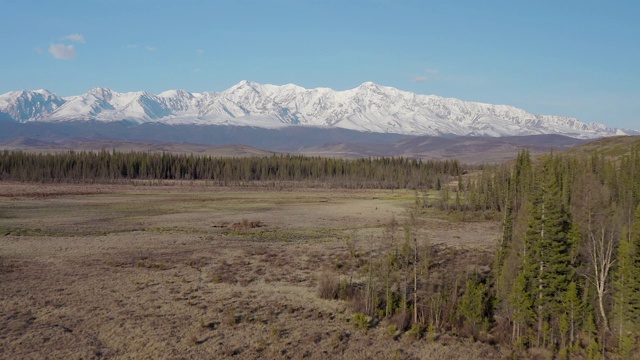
625	293
547	262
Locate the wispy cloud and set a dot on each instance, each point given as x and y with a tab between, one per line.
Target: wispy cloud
199	52
432	75
75	37
62	51
146	47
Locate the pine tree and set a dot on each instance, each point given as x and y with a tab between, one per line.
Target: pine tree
473	304
522	307
547	245
573	309
624	291
634	285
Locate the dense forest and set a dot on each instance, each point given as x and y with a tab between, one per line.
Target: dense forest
565	279
104	166
567	274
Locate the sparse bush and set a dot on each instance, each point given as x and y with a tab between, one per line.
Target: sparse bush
328	286
415	332
400	321
246	224
361	321
431	333
333	288
391	331
256	224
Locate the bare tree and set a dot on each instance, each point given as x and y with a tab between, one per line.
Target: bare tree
600	249
594	212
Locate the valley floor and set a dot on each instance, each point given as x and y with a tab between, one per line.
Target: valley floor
196	271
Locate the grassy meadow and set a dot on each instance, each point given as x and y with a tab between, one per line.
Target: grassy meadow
191	270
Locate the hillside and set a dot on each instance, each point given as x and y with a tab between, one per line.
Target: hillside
611	147
229	141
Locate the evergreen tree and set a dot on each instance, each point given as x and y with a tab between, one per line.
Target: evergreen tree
634	284
623	285
573	310
548	261
626	286
473	304
522	305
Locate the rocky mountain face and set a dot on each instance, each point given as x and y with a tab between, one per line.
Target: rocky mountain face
369	108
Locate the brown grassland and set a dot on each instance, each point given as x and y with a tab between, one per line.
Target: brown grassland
191	270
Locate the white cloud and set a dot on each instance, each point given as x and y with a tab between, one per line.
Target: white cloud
199	52
196	70
432	75
75	37
62	51
136	46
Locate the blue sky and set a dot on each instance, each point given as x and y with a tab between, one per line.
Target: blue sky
561	57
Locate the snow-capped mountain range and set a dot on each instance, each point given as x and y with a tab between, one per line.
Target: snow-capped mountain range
369	107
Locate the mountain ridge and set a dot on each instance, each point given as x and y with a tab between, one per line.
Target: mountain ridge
369	107
328	142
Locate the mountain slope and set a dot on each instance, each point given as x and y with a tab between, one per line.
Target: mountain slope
22	106
611	147
213	139
369	107
467	149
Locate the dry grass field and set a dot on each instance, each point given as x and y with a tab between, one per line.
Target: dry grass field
197	271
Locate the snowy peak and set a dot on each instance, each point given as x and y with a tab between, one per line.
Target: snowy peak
368	107
27	105
107	105
178	101
101	93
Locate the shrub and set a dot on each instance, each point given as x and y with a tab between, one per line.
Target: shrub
333	288
415	332
391	331
328	286
361	321
431	333
400	321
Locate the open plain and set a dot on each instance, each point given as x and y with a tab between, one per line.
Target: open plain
193	270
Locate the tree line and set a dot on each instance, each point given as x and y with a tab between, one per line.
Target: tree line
567	274
390	173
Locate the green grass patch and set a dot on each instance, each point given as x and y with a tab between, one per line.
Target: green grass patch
55	232
289	234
